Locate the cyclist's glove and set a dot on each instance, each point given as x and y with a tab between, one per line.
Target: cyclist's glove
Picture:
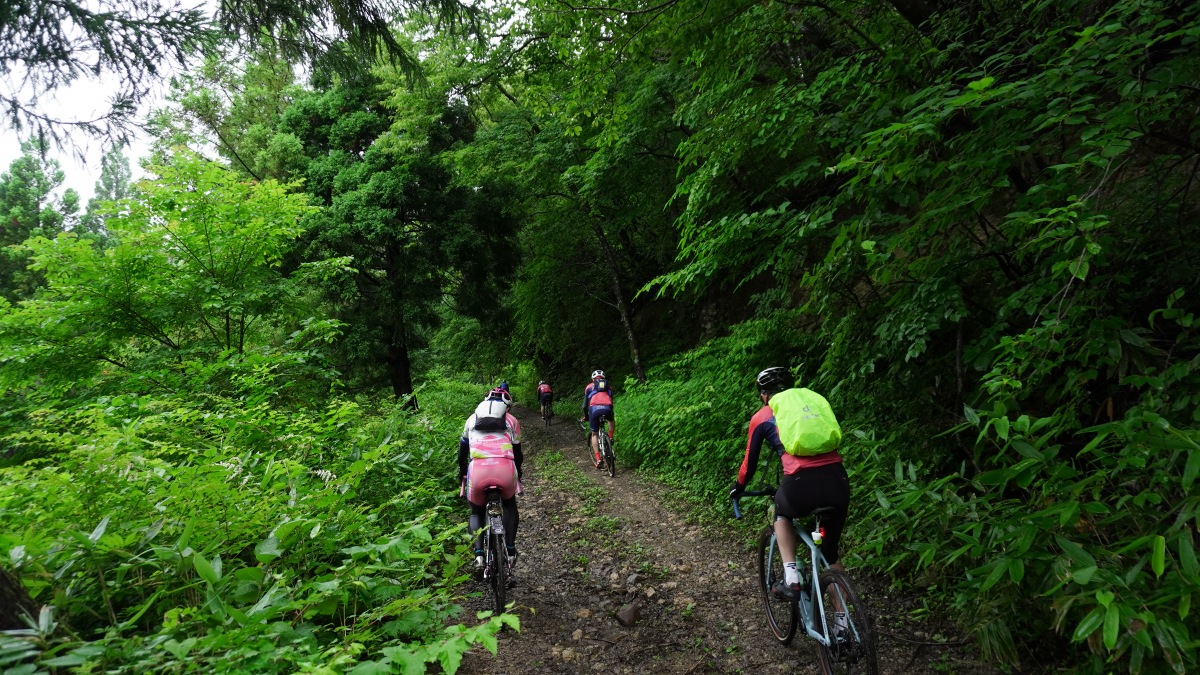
736	491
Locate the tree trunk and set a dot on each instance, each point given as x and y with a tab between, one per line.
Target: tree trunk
622	306
14	602
399	365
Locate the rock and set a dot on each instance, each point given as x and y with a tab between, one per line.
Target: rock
577	635
633	579
684	569
572	521
541	589
669	585
583	613
569	654
614	577
630	614
650	592
606	605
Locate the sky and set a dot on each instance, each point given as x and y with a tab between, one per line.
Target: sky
84	97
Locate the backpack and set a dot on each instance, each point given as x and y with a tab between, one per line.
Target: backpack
490	416
805	422
600	384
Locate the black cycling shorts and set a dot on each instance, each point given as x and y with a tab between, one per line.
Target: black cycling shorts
802	492
547	397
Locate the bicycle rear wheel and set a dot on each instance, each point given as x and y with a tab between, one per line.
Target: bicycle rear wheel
782	614
606	453
498	570
855	651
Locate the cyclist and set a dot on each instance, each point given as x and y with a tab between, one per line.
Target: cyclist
597	402
809	482
489	453
503	385
545	396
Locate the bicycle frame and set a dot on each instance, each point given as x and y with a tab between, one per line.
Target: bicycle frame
812	589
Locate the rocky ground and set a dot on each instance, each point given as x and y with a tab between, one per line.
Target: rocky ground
593	548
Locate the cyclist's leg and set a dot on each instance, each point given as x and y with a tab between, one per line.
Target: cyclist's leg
594	414
512	519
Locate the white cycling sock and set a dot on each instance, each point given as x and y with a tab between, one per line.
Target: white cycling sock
790	575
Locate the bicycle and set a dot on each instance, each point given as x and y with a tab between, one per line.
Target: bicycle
822	590
547	411
608	458
496	561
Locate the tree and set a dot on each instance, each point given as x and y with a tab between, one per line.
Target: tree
382	165
29	206
192	275
113	185
47	45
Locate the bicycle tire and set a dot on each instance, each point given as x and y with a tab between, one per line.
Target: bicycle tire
498	580
606	453
782	615
858	654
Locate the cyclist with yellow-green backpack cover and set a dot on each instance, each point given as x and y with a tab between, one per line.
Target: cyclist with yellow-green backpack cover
800	427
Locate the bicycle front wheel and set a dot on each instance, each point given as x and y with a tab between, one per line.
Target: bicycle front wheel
606	452
782	614
852	647
498	570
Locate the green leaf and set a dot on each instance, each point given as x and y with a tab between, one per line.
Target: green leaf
970	414
1002	427
204	569
1088	625
99	531
1187	557
268	549
1112	625
981	84
1105	598
997	573
1016	570
1158	555
1083	575
1191	469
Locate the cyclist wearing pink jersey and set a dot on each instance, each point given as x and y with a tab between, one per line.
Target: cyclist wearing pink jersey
489	455
545	397
598	403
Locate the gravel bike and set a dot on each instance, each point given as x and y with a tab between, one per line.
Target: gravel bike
496	562
846	647
547	411
608	459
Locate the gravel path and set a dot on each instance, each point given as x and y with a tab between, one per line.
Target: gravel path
592	546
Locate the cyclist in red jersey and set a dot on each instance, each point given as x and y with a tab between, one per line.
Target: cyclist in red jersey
545	394
598	402
808	483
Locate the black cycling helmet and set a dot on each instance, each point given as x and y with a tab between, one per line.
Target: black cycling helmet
774	380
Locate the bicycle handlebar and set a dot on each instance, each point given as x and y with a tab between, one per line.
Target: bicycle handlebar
737	512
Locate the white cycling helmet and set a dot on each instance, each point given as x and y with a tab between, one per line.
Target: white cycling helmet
597	373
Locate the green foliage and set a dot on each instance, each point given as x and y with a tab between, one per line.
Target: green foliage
185	486
688	422
235	538
30	206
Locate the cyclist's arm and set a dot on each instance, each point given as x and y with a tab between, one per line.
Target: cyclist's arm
762	429
464	457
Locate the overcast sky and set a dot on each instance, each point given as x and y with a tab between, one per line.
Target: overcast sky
83	100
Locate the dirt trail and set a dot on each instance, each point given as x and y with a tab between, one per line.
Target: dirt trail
591	545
